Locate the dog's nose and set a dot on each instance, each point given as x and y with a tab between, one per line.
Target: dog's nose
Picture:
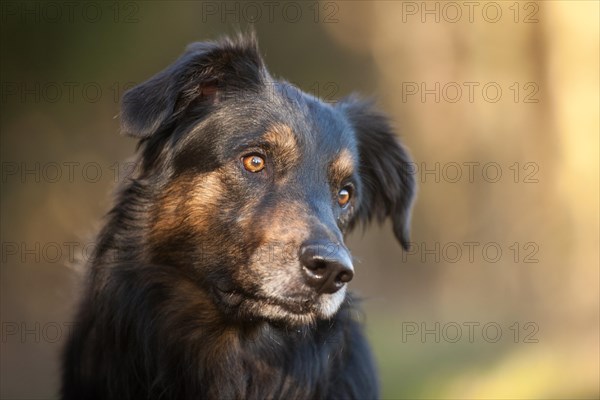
326	265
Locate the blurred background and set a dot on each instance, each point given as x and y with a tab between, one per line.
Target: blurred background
497	102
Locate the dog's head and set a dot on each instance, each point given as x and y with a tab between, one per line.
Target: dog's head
256	183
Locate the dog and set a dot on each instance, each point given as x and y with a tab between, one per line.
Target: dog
221	271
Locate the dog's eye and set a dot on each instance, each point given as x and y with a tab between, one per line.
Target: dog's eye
344	195
253	163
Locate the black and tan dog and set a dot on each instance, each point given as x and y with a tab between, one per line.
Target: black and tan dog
222	271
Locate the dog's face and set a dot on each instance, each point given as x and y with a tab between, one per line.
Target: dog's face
256	183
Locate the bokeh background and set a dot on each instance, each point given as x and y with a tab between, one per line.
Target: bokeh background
497	101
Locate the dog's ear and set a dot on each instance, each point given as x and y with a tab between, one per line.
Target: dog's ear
203	73
388	184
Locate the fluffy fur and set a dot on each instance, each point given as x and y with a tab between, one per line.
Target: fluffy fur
196	289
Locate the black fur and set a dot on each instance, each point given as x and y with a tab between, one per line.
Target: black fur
178	305
385	168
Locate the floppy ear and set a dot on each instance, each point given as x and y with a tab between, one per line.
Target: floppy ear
204	72
388	184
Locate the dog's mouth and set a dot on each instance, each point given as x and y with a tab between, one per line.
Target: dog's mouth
293	305
243	303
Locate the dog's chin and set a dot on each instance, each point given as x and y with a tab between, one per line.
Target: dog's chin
295	311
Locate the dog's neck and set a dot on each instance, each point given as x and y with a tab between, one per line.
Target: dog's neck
122	237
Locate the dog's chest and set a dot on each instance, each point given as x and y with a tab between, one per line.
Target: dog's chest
272	365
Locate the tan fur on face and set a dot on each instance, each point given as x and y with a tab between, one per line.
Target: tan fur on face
282	139
281	231
186	202
343	165
274	263
286	222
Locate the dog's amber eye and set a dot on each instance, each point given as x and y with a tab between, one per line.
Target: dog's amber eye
343	196
253	163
